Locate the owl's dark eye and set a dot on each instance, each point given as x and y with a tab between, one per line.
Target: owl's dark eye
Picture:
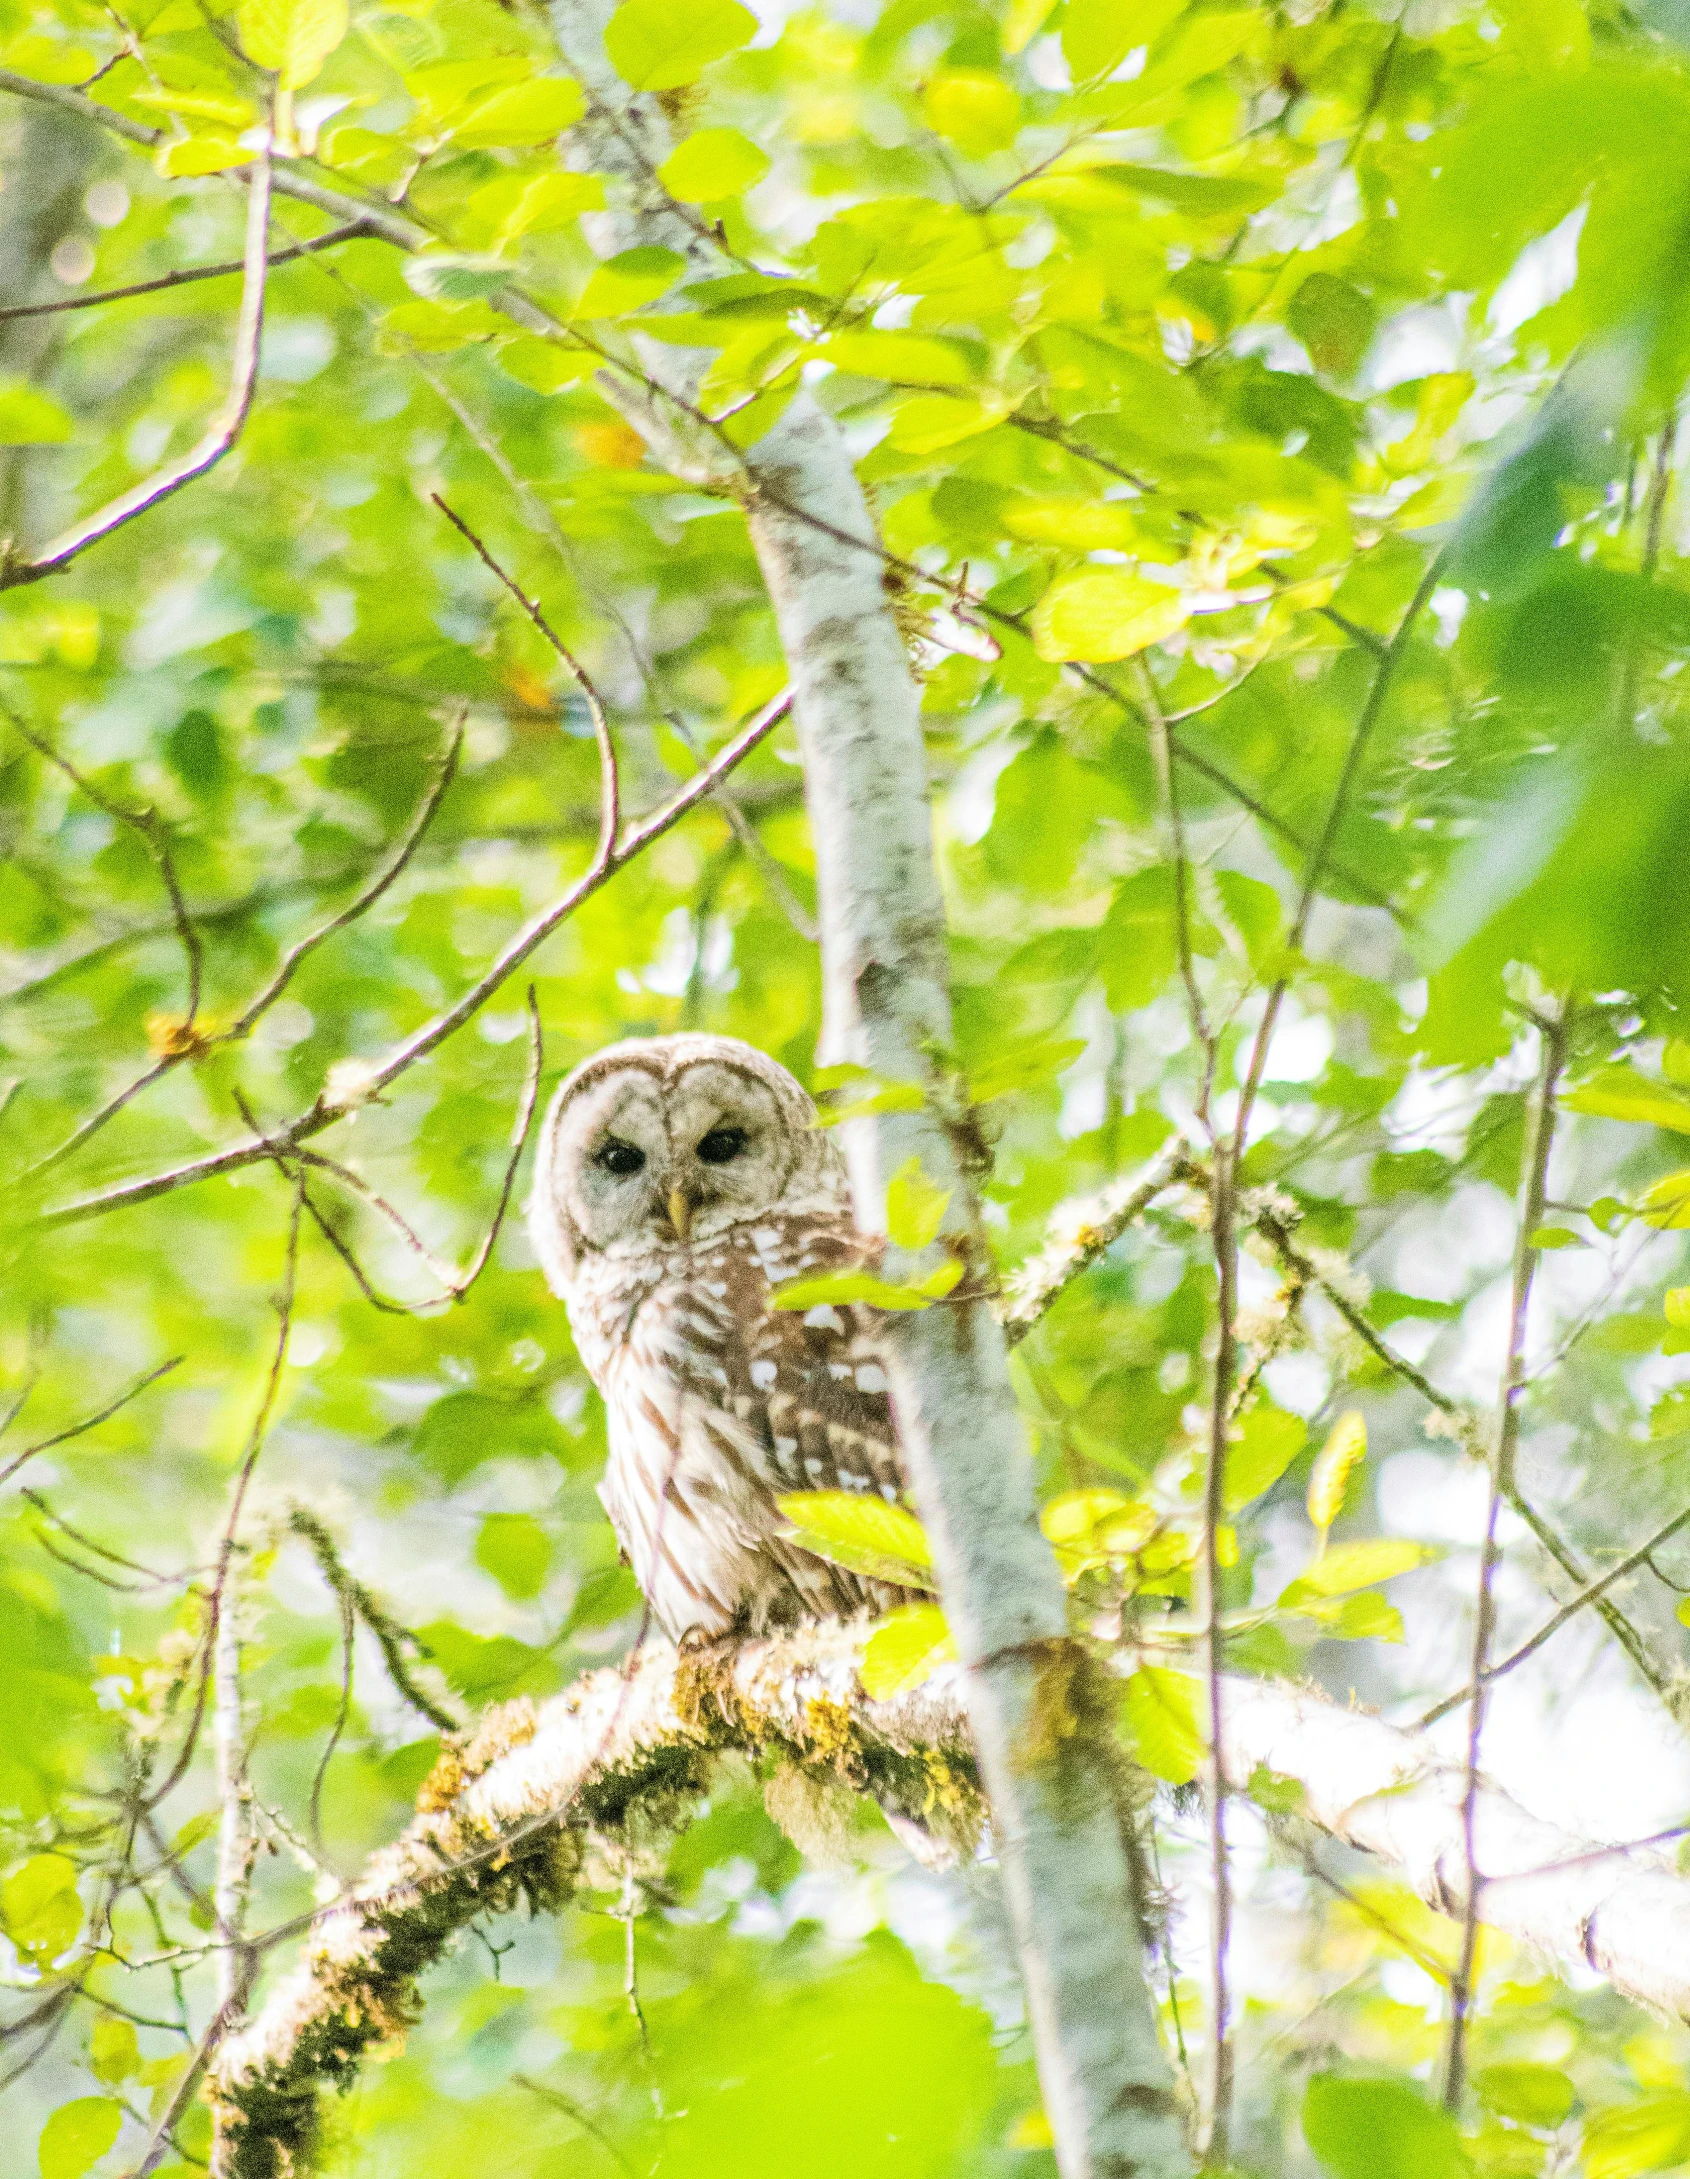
620	1158
722	1145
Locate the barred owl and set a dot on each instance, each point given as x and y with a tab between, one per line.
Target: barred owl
679	1180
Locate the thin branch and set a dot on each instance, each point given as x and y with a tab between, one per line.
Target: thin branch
1079	1233
211	447
1589	1594
1535	1186
444	772
392	1638
376	1078
610	790
90	1422
350	232
1383	675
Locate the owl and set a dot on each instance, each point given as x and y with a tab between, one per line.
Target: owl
680	1180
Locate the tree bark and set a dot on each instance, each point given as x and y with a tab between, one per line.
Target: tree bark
1106	2083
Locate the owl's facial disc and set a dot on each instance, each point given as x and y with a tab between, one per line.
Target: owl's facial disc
642	1160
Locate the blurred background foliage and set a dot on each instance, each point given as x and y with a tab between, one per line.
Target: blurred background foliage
1181	347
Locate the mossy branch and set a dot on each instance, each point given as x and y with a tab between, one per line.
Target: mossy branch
510	1812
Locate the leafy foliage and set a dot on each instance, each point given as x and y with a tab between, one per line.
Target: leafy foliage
1269	416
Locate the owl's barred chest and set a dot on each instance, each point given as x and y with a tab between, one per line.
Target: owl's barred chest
718	1403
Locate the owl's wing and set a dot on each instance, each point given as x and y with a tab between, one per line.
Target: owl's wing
808	1386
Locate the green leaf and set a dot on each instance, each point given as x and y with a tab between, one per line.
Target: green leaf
294	37
906	1648
1022	1066
1366	1617
1022	22
1621	1093
1097	35
1273	1790
212	151
1652	2134
712	163
862	1531
1534	2095
1380	2129
40	1907
1667	1203
1555	1237
77	2135
656	46
522	113
629	281
865	1287
114	2051
1357	1566
1163	1712
29	417
1676	1306
915	1207
443	276
972	108
516	1551
903	359
1268	1441
1096	614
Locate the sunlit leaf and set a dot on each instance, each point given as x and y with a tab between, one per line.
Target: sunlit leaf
1268	1441
77	2135
1357	1566
906	1648
1101	613
293	37
656	48
522	113
1164	1711
1621	1093
1380	2129
1329	1478
29	417
915	1206
862	1531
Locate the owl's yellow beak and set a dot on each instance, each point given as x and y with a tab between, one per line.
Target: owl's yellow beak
680	1212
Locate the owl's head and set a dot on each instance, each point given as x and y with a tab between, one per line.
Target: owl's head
662	1140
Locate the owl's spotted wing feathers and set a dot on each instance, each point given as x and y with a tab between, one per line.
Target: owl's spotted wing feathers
720	1404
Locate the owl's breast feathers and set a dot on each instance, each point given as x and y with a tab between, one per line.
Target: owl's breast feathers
718	1404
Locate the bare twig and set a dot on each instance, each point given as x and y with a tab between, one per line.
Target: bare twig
610	792
348	233
1553	1032
211	447
1589	1594
375	1079
90	1422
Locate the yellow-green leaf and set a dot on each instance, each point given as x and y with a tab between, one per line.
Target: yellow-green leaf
1667	1203
77	2135
1542	1237
656	45
1022	22
915	1206
1268	1441
972	108
863	1532
366	153
114	2051
40	1907
294	37
1649	2134
1621	1093
902	359
864	1287
1357	1566
906	1647
1329	1479
629	281
212	153
1364	1617
1095	614
29	417
1163	1713
1677	1306
1075	519
522	113
1675	1061
1097	35
929	421
712	163
544	366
